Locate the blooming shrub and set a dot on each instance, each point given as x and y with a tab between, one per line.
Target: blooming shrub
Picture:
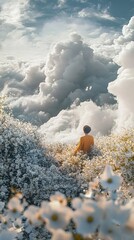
26	167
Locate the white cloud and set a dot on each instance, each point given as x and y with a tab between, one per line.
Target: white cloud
23	45
26	27
13	12
19	38
126	56
128	30
100	14
104	44
68	124
14	36
127	33
61	3
71	71
123	88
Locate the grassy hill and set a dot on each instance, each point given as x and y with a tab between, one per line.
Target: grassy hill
38	170
28	164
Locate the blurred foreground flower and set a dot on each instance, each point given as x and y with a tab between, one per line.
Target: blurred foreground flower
109	180
15	207
59	198
60	234
87	218
32	214
130	207
56	216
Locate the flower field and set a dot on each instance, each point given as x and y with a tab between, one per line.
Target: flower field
47	193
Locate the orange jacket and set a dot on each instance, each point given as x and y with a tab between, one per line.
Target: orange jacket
85	144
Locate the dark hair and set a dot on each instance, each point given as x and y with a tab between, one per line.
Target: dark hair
86	129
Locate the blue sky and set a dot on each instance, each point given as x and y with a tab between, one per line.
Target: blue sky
112	14
118	9
30	27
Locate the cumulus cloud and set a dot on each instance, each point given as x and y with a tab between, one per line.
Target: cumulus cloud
67	126
9	73
123	87
18	82
110	44
104	45
20	77
71	72
127	33
69	89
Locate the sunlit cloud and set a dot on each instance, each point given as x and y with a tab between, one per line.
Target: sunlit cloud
123	87
127	33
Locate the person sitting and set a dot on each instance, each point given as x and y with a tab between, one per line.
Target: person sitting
86	142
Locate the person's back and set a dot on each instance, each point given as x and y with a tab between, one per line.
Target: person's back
86	142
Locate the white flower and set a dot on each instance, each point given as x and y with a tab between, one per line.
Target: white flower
118	214
15	207
110	230
109	180
87	219
76	203
127	233
114	218
60	198
130	207
60	234
56	217
32	214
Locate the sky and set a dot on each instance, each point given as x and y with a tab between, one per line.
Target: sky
64	64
